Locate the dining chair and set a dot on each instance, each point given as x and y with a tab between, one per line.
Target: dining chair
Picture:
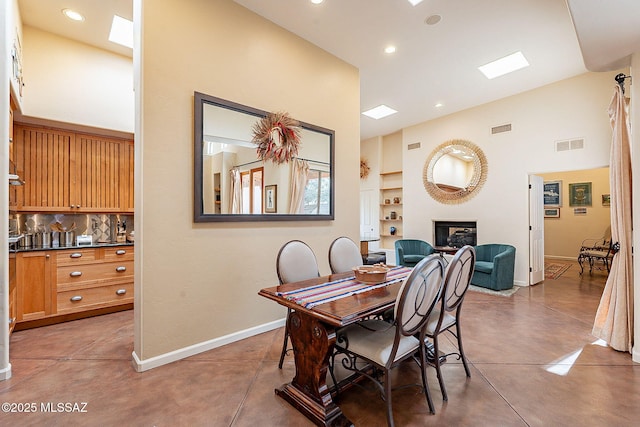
295	262
344	254
383	345
456	282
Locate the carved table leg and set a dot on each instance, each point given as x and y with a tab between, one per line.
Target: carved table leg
313	343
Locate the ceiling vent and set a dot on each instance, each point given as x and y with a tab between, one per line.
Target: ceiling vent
570	144
501	128
413	146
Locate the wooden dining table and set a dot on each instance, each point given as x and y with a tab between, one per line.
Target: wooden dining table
313	335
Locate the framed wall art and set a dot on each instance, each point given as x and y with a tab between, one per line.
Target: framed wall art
580	194
579	211
271	198
606	200
552	194
552	212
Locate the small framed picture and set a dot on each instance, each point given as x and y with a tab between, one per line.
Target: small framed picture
271	198
580	194
552	194
552	212
606	200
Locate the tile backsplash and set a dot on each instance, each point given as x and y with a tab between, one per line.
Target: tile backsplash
101	227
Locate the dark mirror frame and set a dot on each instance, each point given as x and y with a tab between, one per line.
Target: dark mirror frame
198	204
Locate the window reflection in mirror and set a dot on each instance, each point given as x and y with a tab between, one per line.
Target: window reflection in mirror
455	171
230	180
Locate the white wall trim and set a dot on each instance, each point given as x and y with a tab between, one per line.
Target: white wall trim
175	355
5	373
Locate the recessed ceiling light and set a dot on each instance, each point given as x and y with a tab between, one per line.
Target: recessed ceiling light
390	49
432	19
121	31
439	105
379	112
73	15
415	2
316	1
504	65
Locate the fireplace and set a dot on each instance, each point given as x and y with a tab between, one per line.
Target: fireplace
454	234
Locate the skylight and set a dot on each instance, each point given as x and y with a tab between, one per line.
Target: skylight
121	31
504	65
379	112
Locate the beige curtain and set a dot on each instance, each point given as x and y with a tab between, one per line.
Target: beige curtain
297	184
235	202
614	318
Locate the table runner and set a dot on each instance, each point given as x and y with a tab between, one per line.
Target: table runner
330	291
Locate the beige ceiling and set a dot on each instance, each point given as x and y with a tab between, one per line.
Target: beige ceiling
433	64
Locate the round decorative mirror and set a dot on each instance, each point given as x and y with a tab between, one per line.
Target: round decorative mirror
455	171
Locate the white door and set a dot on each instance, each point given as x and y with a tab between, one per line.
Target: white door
536	229
368	209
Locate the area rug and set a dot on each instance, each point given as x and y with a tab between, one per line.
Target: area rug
504	293
553	270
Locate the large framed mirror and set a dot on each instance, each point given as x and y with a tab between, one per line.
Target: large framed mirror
231	183
455	171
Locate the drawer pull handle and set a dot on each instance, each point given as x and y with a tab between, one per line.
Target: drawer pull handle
76	298
75	255
75	274
121	291
121	252
121	269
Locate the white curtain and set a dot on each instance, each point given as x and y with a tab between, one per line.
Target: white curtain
614	318
297	184
235	202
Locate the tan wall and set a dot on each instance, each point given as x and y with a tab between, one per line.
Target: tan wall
568	109
564	235
198	282
73	82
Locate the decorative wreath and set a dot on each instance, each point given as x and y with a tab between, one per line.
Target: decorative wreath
285	146
364	168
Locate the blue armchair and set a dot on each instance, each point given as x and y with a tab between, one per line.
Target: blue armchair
495	264
409	252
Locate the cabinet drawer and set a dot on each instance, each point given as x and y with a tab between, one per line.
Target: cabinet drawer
94	273
94	297
118	253
76	256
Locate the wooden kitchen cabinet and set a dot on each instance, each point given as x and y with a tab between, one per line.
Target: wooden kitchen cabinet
104	172
13	293
73	172
35	281
13	191
53	285
94	278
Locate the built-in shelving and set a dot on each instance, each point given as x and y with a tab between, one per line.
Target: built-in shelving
390	208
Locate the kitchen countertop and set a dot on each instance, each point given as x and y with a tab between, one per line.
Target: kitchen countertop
55	248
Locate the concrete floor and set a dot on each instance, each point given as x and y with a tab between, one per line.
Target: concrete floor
533	362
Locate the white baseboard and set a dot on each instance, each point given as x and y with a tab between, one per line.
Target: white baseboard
175	355
5	373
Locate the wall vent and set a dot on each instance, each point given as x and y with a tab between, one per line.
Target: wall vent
570	144
413	146
501	128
